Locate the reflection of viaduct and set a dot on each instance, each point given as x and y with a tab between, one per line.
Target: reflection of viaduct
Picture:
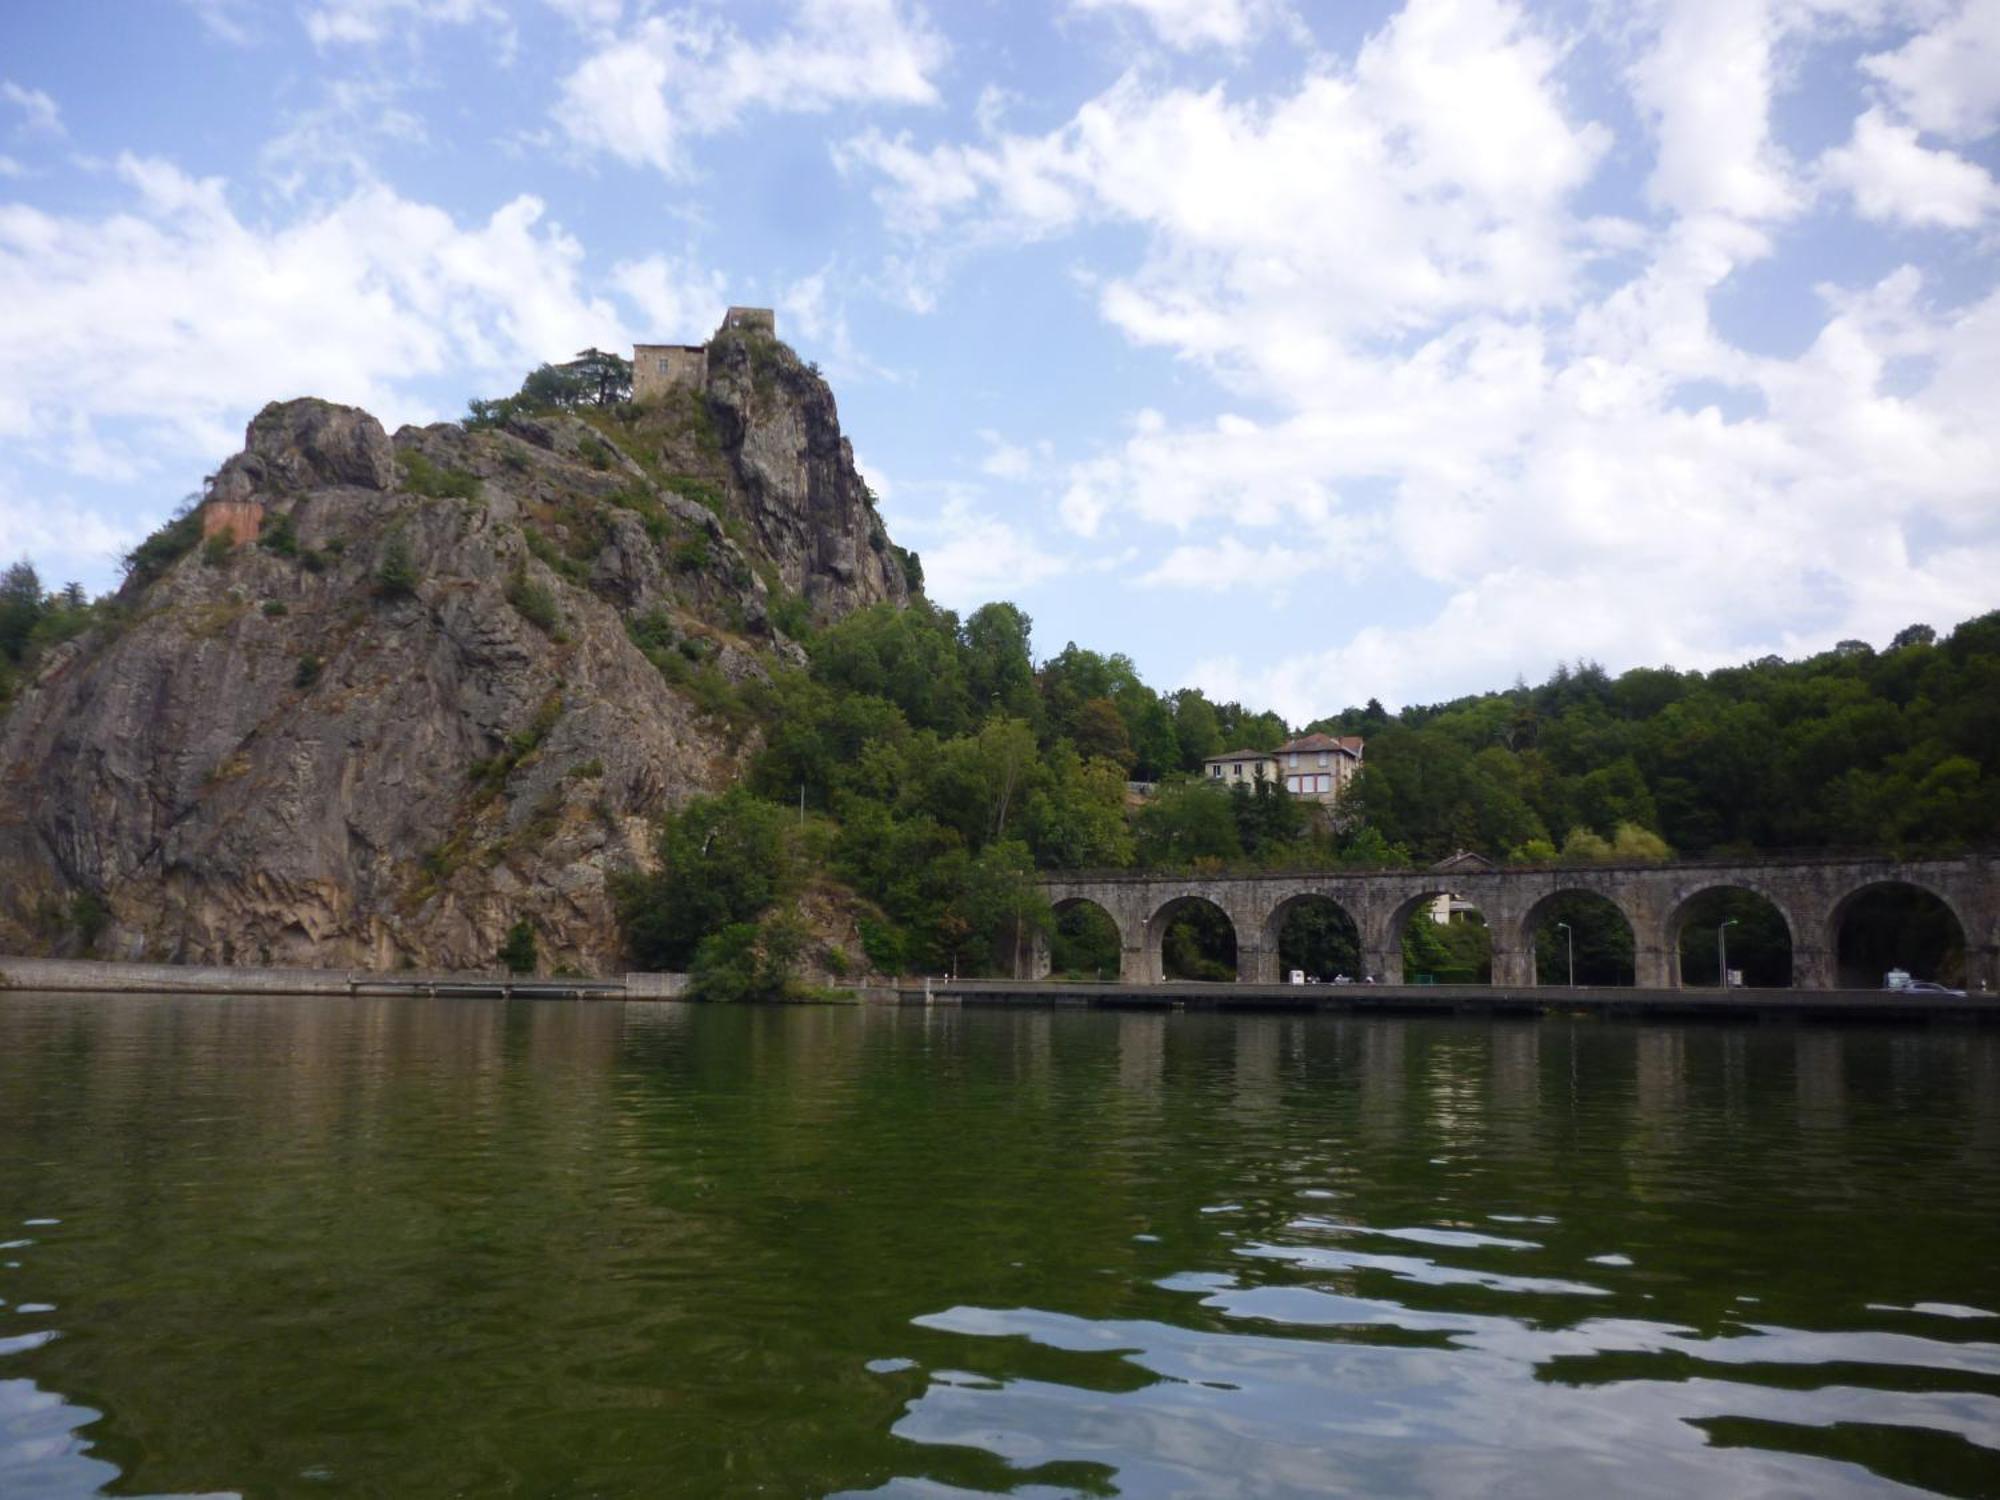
1812	895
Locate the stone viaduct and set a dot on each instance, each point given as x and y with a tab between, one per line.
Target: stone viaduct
1811	894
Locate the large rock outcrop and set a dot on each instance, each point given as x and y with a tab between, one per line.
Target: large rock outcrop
451	687
810	509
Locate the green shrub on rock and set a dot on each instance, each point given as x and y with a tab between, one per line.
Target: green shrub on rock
520	953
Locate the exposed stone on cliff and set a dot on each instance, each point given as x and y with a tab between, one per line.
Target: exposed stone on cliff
302	445
452	685
810	509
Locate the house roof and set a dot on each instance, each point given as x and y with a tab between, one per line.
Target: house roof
1347	744
1464	859
1239	755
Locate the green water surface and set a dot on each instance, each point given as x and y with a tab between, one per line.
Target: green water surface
410	1248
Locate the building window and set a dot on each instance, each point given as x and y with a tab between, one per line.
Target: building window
1322	757
1295	760
1325	784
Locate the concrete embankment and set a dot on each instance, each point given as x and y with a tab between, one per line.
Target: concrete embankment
87	975
1379	999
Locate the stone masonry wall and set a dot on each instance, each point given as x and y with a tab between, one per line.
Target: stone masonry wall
1654	899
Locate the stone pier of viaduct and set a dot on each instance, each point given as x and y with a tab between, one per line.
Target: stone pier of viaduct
1811	894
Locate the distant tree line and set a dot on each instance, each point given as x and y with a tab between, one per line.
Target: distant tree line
1894	750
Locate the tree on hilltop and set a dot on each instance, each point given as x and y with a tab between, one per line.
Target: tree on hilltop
593	378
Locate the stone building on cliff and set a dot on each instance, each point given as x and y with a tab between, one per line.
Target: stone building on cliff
658	368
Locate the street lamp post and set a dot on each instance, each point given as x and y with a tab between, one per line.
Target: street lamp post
1722	951
1569	942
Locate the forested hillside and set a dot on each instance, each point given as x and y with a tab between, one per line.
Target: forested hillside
1897	749
929	765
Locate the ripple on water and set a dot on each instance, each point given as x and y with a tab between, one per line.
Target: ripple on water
1416	1268
713	1251
1300	1407
1450	1239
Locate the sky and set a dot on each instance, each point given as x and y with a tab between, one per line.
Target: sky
1304	353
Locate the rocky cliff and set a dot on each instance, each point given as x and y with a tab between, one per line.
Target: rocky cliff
448	685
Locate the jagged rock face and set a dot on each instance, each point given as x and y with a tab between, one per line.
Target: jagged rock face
810	508
280	753
301	445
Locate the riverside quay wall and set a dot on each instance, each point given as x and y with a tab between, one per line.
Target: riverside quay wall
93	977
1813	895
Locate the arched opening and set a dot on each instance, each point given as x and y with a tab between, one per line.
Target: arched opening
1315	936
1894	926
1192	938
1730	923
1581	938
1083	942
1444	939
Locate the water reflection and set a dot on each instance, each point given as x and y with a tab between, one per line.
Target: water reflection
416	1248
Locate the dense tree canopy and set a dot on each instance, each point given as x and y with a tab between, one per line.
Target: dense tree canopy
1898	749
31	620
593	378
946	766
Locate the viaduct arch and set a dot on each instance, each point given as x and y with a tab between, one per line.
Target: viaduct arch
1810	894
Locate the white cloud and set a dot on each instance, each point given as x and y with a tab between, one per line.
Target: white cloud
1013	462
1429	179
1892	176
1441	371
1192	24
1946	79
590	15
175	317
1572	508
11	168
330	141
1526	620
1706	82
971	556
678	301
65	538
1230	564
366	22
815	314
229	20
639	97
39	114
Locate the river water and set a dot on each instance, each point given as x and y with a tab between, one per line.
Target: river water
410	1248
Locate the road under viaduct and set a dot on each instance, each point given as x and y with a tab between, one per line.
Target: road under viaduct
1811	894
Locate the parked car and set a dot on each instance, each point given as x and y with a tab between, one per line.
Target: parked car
1928	987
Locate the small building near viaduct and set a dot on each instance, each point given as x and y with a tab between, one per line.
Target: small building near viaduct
1812	895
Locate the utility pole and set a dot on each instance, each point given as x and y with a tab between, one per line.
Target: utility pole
1569	940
